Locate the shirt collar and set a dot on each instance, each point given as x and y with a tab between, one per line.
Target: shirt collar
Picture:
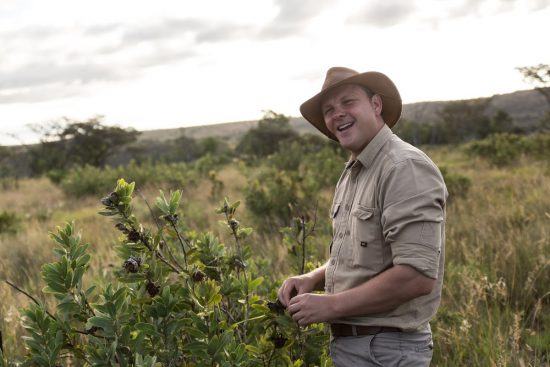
366	157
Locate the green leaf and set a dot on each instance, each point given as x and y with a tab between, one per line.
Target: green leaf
107	213
83	260
253	284
102	322
146	328
175	201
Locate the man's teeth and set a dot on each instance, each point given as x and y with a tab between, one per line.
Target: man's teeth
345	126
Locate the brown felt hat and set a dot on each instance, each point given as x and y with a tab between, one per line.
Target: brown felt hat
377	82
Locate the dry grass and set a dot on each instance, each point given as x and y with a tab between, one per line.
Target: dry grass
495	304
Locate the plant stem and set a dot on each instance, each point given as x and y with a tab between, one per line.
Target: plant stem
246	290
159	227
31	297
181	242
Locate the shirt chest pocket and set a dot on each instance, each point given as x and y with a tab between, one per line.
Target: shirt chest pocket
366	238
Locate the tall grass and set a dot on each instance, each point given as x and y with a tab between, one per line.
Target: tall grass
495	305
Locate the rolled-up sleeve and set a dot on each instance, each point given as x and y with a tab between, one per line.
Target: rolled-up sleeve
412	197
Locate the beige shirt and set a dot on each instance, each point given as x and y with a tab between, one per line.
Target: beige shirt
388	209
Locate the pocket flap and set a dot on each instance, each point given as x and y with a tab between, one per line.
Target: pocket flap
363	213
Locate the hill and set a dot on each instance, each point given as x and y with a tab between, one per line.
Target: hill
526	107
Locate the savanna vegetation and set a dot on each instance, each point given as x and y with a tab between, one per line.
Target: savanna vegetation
132	276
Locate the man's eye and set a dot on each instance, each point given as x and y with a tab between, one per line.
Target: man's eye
328	110
348	101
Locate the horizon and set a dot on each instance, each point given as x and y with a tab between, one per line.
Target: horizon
191	66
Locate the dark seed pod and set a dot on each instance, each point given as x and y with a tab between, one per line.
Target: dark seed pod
134	236
278	340
106	201
239	264
172	219
276	307
234	224
198	276
152	289
121	227
114	197
132	264
92	330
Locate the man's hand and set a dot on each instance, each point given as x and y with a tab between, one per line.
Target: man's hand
310	308
294	286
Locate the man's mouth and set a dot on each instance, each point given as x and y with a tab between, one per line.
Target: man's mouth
345	126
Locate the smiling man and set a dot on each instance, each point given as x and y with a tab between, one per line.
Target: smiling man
384	276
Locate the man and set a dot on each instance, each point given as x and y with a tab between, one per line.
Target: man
383	279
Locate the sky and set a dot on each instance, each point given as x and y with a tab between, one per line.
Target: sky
165	64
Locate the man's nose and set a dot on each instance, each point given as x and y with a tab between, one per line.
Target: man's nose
339	112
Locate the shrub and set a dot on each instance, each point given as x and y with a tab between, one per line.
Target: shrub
457	184
9	222
89	180
499	149
502	149
179	299
265	139
293	178
538	145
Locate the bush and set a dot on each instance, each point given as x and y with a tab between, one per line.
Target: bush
538	145
457	185
261	141
89	180
179	299
293	178
502	149
9	222
499	149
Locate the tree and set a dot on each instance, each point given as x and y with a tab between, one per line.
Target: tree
501	122
265	139
464	120
66	143
185	149
539	76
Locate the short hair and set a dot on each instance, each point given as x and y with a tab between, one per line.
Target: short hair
369	92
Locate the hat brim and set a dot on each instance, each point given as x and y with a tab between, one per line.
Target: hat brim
377	82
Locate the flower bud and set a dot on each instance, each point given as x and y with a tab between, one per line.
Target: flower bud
152	289
132	264
134	236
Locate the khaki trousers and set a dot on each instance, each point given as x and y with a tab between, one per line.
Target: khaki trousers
410	349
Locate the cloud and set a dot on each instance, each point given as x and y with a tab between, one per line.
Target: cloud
42	94
71	59
162	30
485	7
100	29
384	13
292	18
162	57
36	74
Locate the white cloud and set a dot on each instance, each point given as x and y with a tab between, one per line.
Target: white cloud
171	64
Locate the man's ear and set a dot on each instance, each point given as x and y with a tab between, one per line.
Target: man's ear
376	102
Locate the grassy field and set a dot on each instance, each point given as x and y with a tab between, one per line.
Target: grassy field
495	308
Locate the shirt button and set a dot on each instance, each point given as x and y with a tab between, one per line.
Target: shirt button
347	206
341	235
332	261
347	232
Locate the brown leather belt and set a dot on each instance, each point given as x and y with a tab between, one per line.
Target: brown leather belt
356	330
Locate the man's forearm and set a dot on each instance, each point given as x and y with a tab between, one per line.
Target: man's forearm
318	276
383	293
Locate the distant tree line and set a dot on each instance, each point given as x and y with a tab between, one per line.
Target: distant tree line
458	122
69	143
